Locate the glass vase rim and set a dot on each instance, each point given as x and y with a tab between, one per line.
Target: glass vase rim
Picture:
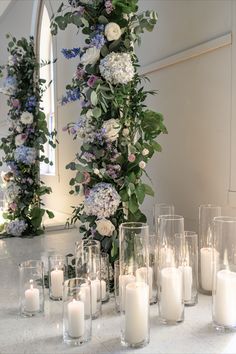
136	225
226	219
31	263
187	233
56	255
84	281
209	205
171	217
165	204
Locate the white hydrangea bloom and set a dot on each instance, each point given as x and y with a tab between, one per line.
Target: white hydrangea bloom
117	68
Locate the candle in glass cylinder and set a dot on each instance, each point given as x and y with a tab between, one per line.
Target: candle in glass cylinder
136	312
207	255
32	302
187	273
94	295
57	278
141	275
171	301
76	318
123	281
101	288
166	256
225	298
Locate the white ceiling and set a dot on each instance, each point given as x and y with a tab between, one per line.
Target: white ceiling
3	5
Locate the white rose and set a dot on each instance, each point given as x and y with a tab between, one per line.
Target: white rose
145	152
112	31
142	164
105	227
112	128
125	132
27	118
91	56
20	139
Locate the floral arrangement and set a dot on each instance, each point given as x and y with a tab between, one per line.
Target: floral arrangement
24	146
118	132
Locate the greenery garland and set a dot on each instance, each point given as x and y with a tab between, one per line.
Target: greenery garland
24	146
118	132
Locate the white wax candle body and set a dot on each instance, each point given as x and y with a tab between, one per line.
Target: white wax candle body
57	279
85	297
141	275
101	287
187	273
94	296
123	281
32	302
225	298
171	298
166	257
76	318
207	256
136	312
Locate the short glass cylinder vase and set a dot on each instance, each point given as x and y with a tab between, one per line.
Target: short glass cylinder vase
134	284
56	275
88	265
187	245
206	252
224	273
31	288
77	320
170	279
104	277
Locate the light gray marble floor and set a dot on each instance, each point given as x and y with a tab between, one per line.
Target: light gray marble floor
44	334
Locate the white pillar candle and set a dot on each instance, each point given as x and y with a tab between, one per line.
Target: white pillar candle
207	255
136	312
225	298
171	299
141	275
188	282
32	302
123	281
94	296
57	278
103	289
85	297
76	318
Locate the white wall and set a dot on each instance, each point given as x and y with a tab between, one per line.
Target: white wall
188	58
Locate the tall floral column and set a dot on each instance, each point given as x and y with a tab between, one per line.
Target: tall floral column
23	147
117	131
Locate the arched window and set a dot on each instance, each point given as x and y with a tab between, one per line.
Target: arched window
47	73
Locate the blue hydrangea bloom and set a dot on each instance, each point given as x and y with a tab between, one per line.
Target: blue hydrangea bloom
31	103
16	227
25	155
71	96
71	53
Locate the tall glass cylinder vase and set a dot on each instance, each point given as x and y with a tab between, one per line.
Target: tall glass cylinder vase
162	209
224	273
153	262
88	265
170	279
77	324
206	251
134	284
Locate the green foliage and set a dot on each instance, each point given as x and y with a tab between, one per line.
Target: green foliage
118	159
26	205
